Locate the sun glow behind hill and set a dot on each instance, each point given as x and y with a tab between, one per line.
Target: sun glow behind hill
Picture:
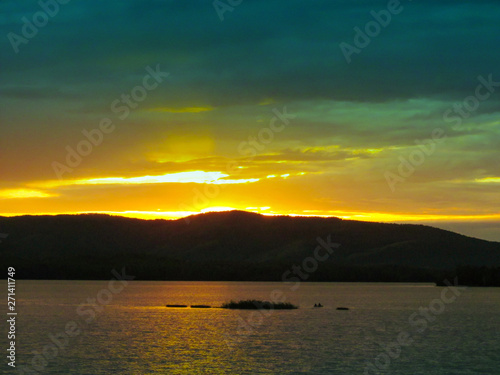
181	194
359	216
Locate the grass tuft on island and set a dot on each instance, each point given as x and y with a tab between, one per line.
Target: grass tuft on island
252	304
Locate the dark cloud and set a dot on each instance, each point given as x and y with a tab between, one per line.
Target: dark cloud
289	50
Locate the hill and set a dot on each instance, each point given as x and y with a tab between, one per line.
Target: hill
233	245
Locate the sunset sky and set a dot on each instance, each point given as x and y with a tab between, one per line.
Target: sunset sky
253	107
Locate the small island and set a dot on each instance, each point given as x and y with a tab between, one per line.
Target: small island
258	305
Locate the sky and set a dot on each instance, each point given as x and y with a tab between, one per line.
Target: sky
367	110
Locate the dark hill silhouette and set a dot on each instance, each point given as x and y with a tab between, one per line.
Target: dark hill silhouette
233	245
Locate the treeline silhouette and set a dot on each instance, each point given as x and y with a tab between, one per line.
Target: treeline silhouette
238	246
474	276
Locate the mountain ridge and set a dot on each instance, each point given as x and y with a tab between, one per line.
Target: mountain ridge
233	245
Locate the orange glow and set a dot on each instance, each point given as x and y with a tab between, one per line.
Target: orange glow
370	217
489	180
217	209
23	193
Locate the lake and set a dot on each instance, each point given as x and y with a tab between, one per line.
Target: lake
98	327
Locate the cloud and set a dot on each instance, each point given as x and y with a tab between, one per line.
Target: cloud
23	194
430	49
182	110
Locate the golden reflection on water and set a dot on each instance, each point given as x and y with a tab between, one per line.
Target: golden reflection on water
137	334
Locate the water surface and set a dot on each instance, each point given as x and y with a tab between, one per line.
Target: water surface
134	333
